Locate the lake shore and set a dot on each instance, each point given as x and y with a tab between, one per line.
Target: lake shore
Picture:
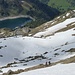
14	17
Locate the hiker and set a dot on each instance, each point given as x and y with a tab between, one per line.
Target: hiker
49	62
46	64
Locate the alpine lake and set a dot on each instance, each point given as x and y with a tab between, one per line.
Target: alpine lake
14	22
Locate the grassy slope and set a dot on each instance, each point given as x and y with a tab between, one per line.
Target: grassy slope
62	5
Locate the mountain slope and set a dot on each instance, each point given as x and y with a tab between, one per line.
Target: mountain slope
60	23
62	5
32	8
24	52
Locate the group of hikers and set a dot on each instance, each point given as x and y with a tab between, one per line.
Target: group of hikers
48	63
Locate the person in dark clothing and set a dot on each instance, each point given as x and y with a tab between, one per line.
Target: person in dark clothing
49	63
46	64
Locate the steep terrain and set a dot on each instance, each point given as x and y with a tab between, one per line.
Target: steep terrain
53	41
61	5
60	23
39	11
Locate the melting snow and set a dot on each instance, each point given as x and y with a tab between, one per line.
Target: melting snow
55	28
67	14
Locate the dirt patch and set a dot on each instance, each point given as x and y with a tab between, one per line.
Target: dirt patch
71	50
69	60
73	34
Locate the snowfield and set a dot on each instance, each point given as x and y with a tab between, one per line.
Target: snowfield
59	69
19	52
22	47
55	28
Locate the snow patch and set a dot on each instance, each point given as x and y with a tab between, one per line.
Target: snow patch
67	14
55	28
59	69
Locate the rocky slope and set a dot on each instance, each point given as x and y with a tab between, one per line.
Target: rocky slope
25	31
7	32
55	22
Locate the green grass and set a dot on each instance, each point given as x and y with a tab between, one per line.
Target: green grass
62	5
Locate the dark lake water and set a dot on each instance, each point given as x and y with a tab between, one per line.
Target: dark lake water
12	23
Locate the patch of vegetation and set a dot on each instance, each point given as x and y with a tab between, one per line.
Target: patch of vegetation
36	23
34	8
71	50
44	1
62	5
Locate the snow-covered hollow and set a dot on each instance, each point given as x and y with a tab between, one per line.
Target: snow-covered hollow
59	69
55	28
